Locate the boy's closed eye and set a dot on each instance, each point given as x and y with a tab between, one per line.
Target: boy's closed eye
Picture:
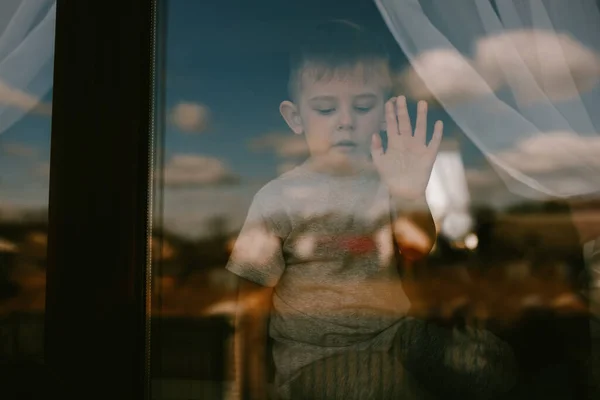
365	103
363	108
331	110
325	111
323	107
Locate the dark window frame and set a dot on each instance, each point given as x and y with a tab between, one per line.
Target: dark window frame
103	130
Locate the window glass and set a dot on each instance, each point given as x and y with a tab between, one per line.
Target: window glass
26	67
507	273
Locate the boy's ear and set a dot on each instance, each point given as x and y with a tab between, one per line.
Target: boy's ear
289	111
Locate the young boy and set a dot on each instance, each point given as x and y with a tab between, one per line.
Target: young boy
319	240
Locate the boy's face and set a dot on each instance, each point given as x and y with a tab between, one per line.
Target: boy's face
339	114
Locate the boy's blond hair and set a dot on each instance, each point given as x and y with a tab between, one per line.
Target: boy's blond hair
334	48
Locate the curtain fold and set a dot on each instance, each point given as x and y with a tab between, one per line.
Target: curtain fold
520	78
26	58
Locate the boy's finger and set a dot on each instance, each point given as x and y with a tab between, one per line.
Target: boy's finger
436	140
404	125
376	143
421	124
376	148
390	120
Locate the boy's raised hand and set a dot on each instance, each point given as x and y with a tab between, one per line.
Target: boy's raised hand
406	164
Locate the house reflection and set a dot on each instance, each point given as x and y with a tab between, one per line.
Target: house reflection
22	290
531	248
525	260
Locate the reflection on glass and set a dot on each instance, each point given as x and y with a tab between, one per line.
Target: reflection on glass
247	189
26	60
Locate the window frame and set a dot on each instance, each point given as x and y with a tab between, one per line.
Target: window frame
97	318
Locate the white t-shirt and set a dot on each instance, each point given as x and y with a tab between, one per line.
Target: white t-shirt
325	244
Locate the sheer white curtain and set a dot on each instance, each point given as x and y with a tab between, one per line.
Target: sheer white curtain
26	58
519	78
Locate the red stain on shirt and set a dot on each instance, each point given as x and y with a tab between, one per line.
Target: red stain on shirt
358	245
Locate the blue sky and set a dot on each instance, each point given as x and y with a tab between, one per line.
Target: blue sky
231	58
241	76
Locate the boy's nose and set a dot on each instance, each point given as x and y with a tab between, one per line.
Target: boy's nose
346	120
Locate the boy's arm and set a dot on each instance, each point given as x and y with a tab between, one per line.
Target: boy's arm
257	261
250	340
413	227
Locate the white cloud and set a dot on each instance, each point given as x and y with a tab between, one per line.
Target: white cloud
189	212
187	170
191	117
552	152
564	162
16	98
447	73
498	189
19	150
559	64
284	145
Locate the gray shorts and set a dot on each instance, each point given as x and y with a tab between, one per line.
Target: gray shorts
358	375
417	366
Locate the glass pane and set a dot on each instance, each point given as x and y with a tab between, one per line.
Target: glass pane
268	170
26	67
